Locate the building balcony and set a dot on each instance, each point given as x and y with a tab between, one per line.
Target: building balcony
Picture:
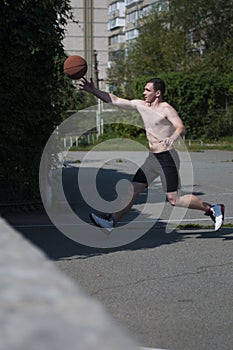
116	23
129	3
131	34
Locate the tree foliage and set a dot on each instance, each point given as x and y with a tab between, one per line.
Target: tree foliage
33	90
209	24
159	47
203	100
191	46
190	36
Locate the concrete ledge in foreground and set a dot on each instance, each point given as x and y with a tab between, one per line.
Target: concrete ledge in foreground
42	309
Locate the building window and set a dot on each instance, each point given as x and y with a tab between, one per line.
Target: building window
131	2
116	22
113	7
158	6
116	7
145	11
117	39
132	17
131	34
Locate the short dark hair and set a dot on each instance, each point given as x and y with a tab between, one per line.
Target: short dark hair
158	84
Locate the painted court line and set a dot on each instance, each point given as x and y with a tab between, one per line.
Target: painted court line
122	222
151	349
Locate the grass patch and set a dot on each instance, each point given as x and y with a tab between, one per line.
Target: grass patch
198	226
194	226
204	147
118	143
223	144
115	144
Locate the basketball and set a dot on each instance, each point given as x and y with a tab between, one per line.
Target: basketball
75	67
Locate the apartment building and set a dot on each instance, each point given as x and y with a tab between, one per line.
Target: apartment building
104	26
124	16
89	36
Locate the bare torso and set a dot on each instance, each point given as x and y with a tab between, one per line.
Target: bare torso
157	125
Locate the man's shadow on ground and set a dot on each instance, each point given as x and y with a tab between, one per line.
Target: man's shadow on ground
58	247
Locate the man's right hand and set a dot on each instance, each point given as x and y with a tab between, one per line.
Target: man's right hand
89	86
84	84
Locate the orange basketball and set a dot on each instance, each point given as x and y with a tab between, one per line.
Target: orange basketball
75	67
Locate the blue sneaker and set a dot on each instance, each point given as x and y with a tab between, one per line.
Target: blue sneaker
216	212
106	223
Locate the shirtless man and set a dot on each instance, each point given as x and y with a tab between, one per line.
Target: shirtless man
163	126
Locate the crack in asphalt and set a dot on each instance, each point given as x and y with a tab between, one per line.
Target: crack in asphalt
199	270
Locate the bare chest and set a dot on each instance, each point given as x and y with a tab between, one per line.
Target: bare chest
155	120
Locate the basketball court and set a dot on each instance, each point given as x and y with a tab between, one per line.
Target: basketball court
169	289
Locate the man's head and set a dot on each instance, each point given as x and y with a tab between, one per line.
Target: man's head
154	89
158	84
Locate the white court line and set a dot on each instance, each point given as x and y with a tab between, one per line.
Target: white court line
150	349
121	222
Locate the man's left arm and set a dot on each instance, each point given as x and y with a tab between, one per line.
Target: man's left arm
173	117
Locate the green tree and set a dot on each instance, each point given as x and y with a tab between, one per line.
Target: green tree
159	47
188	36
209	24
203	100
34	93
117	72
190	45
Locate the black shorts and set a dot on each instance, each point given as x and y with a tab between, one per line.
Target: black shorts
164	164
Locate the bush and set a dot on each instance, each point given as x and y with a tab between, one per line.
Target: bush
204	101
33	91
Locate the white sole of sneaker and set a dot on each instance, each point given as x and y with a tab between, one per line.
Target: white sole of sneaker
220	220
106	231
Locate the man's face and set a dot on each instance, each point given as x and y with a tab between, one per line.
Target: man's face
149	93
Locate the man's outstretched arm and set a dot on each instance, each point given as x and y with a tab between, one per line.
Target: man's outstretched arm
89	86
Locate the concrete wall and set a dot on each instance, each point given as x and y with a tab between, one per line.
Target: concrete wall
41	308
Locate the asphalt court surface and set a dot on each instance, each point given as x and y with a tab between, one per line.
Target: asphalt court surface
170	290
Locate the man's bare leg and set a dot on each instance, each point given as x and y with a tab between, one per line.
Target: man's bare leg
137	188
188	201
216	211
129	197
